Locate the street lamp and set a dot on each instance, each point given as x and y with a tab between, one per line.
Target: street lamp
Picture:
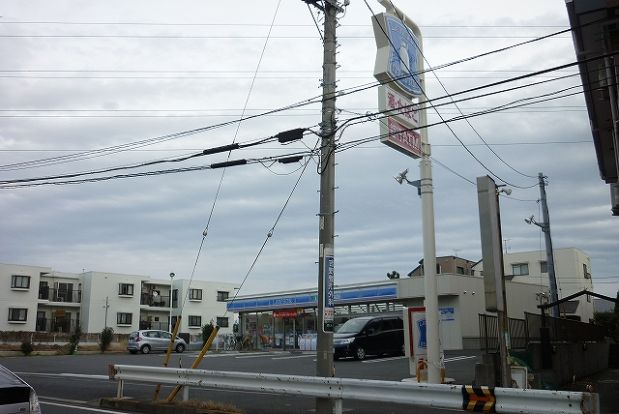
424	190
170	318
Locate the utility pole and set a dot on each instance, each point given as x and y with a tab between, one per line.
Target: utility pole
107	305
324	348
550	262
545	226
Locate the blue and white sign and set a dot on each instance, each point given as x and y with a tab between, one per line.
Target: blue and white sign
398	55
329	294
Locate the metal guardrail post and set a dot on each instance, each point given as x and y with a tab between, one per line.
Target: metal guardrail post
119	389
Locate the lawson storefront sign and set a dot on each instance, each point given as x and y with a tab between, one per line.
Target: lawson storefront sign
343	296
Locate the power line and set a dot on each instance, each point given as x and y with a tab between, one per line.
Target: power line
124	147
137	23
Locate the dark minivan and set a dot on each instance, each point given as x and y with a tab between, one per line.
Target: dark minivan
369	335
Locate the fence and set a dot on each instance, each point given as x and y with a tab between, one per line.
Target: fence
489	333
563	330
455	397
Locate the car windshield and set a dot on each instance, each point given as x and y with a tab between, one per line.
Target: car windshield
352	326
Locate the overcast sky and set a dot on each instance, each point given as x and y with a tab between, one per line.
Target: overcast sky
79	76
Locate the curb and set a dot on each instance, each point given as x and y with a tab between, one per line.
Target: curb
160	407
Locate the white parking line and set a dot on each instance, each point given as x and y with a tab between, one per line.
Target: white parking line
261	355
372	361
296	356
458	358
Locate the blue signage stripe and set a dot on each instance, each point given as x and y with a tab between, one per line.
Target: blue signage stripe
342	297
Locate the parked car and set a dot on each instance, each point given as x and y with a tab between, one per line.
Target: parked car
369	335
149	340
16	396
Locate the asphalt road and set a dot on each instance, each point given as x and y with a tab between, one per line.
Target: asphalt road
73	384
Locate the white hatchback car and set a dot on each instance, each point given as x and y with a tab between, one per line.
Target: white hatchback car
149	340
16	396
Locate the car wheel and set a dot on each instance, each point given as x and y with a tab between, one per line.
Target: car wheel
133	351
336	357
145	349
359	353
180	348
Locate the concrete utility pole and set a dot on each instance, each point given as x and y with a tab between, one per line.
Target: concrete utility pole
550	262
324	355
106	306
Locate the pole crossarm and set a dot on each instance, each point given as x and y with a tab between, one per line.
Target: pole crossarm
455	397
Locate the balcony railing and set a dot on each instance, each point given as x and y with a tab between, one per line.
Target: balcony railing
163	326
155	300
60	295
64	325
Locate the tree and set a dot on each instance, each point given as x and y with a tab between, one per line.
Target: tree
206	332
393	275
107	334
74	340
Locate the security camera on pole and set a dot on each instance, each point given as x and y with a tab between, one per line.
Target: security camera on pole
399	68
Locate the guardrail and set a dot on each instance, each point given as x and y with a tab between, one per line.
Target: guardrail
462	397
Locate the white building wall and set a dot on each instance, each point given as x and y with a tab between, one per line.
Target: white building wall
207	309
465	295
102	286
19	298
569	271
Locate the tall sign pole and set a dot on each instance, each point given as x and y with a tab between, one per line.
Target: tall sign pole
399	67
324	346
492	257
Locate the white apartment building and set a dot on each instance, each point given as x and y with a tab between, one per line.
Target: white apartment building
572	272
35	298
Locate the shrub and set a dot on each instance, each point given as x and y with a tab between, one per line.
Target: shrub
26	347
107	334
74	340
206	332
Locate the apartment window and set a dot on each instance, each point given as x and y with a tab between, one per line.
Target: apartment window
222	322
20	282
195	294
520	269
18	314
222	296
123	318
125	289
585	271
543	266
195	320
